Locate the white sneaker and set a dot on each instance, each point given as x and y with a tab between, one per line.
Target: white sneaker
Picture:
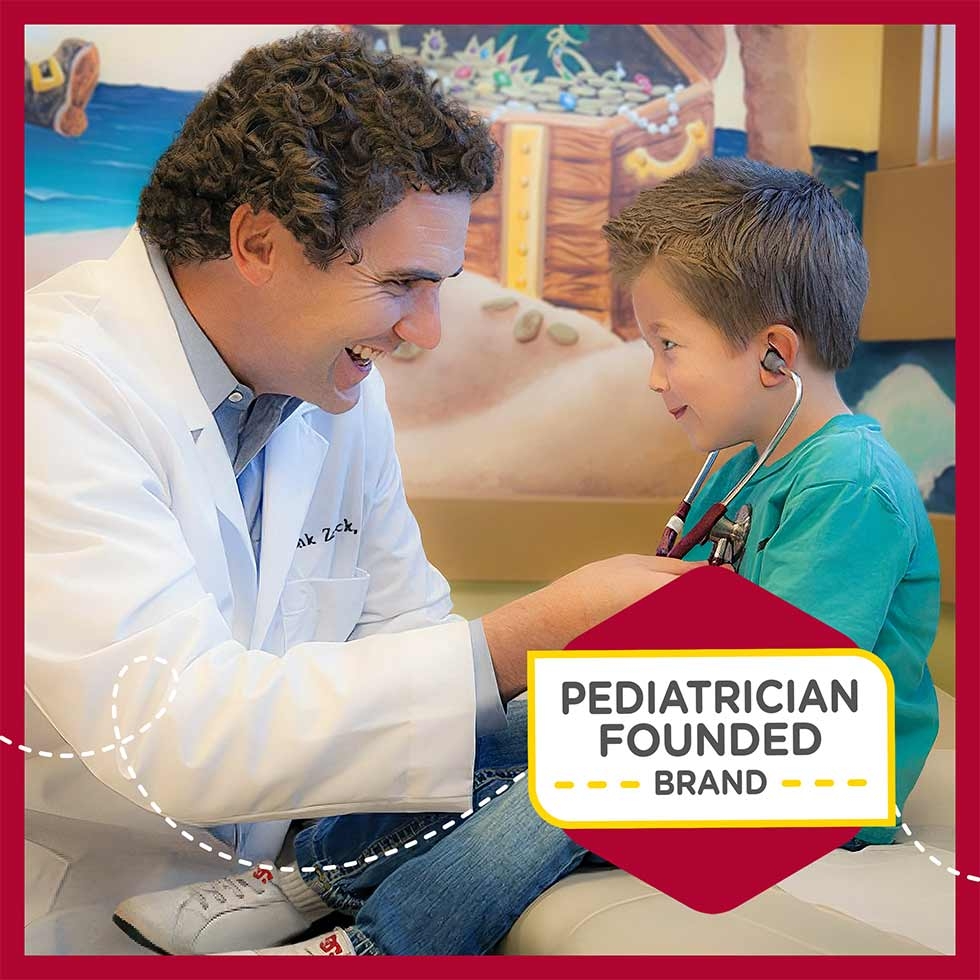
334	943
216	916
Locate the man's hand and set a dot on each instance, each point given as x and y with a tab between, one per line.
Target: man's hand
553	616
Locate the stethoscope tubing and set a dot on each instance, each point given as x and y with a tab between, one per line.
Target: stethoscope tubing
669	545
675	525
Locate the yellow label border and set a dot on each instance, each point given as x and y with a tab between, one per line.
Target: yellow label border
534	655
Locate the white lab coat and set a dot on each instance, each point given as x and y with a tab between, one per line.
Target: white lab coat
331	679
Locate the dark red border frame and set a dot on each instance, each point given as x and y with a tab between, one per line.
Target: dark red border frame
14	14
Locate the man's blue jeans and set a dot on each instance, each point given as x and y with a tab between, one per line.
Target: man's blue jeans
452	892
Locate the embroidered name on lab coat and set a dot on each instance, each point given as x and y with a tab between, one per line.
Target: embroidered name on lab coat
326	534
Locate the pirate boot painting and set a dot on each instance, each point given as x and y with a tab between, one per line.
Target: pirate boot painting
57	89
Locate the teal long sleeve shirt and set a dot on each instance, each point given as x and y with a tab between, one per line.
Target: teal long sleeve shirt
840	531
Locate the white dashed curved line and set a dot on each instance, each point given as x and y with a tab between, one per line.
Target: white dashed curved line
120	744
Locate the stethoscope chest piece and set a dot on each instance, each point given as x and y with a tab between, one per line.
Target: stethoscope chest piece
729	537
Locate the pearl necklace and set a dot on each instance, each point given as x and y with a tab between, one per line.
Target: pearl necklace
626	110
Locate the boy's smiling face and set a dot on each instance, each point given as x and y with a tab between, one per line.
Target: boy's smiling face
713	390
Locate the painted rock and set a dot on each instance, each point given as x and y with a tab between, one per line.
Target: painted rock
563	333
528	326
499	305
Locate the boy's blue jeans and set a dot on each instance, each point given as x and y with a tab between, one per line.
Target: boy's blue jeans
458	891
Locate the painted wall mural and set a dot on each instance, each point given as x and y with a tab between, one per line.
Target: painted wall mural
539	385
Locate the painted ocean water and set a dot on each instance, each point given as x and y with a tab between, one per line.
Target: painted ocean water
95	181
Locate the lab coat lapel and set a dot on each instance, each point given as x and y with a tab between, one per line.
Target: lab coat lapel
133	297
214	456
293	460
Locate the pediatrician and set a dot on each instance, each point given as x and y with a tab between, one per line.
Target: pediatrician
230	616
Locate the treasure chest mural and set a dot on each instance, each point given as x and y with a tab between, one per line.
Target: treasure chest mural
537	388
586	116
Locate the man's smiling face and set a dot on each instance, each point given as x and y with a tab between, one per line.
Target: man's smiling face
324	328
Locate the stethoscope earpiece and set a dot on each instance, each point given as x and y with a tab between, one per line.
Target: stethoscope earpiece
773	361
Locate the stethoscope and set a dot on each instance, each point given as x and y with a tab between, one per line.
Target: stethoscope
728	536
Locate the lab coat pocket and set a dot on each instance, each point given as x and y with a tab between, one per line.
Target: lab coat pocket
323	608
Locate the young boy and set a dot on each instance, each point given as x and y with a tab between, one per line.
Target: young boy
727	262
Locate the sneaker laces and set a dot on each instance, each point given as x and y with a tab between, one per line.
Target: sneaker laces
233	885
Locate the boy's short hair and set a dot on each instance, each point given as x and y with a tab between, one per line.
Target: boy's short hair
746	245
323	132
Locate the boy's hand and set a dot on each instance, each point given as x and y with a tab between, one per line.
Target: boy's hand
602	588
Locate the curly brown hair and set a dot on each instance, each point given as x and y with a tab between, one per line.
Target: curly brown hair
323	133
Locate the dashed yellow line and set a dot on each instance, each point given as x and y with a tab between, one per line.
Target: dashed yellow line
598	784
635	783
824	782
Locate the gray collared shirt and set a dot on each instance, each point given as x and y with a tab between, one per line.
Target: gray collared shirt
247	423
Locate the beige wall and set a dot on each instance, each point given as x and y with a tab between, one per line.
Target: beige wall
174	56
844	85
